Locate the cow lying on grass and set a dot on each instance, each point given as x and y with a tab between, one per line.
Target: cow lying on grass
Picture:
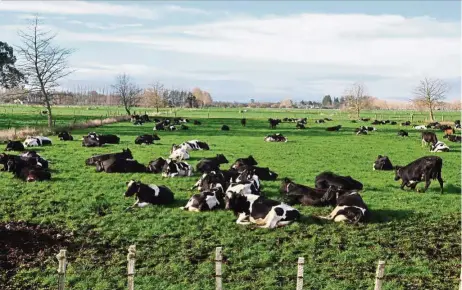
14	146
328	179
146	139
119	165
422	169
25	168
439	147
382	163
294	193
125	154
335	128
211	164
148	194
240	162
350	207
179	154
176	169
36	141
157	165
194	145
275	138
211	199
453	138
65	136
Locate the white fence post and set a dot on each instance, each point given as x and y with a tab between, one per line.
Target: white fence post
379	275
218	260
460	282
301	262
131	267
61	268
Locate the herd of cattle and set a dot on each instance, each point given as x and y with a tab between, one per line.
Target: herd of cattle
238	188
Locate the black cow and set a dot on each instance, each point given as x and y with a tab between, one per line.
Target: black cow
225	128
422	169
32	174
350	207
273	122
148	194
327	179
294	193
14	146
146	139
382	163
65	136
300	126
125	154
145	118
40	161
376	122
365	119
118	165
403	133
196	122
457	124
243	122
241	162
10	162
157	165
266	213
429	137
453	138
407	123
393	123
211	164
335	128
328	119
264	173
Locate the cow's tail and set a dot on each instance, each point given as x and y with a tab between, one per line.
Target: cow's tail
436	170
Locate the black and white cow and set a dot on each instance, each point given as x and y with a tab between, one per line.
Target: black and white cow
88	141
320	121
211	163
403	133
148	194
177	169
194	145
439	147
118	165
382	163
428	138
27	169
294	193
125	154
407	123
14	146
241	162
157	165
211	179
263	173
300	126
275	138
35	141
65	136
453	138
420	127
350	207
41	162
266	213
146	139
328	179
211	199
422	169
179	154
159	126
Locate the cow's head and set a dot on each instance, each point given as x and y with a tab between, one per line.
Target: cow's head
221	158
397	172
133	187
127	153
155	137
251	160
157	165
285	185
236	202
382	162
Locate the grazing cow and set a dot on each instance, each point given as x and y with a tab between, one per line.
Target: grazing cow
14	146
266	213
211	199
439	147
159	126
275	138
335	128
65	136
225	128
148	194
241	162
194	145
327	179
382	163
36	141
273	122
243	122
173	169
91	142
184	127
449	131
403	133
125	154
428	138
300	126
453	138
211	164
294	193
196	122
420	127
157	165
350	207
146	139
407	123
179	154
319	121
422	169
118	165
393	123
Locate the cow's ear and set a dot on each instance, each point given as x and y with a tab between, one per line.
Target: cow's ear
126	183
380	156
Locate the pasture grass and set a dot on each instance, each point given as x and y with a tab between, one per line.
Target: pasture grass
418	234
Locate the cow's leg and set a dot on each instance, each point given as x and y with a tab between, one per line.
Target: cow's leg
403	184
440	180
427	183
241	218
136	202
341	218
333	213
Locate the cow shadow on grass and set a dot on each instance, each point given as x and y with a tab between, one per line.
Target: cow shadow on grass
379	216
452	189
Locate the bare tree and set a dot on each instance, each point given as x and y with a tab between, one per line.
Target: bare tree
43	63
429	94
154	96
356	98
127	91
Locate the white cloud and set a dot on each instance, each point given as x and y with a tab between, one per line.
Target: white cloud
100	26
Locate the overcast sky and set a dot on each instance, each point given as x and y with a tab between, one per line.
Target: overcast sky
262	50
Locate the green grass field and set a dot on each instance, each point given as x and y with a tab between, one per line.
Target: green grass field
417	234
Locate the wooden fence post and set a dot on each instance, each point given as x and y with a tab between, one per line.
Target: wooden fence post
379	275
460	282
218	260
131	267
61	268
301	262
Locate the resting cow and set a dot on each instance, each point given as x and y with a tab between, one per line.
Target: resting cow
350	207
148	194
125	154
193	145
335	128
240	162
382	163
65	136
422	169
439	147
294	193
211	164
179	154
14	146
207	200
275	138
146	139
453	138
176	169
328	179
36	141
403	133
225	128
116	165
157	165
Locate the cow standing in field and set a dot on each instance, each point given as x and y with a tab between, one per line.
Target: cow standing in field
422	169
428	138
148	194
243	122
273	122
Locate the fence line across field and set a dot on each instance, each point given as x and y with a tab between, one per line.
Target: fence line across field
131	258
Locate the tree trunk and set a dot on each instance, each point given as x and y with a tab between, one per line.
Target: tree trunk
431	115
157	109
50	117
128	110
